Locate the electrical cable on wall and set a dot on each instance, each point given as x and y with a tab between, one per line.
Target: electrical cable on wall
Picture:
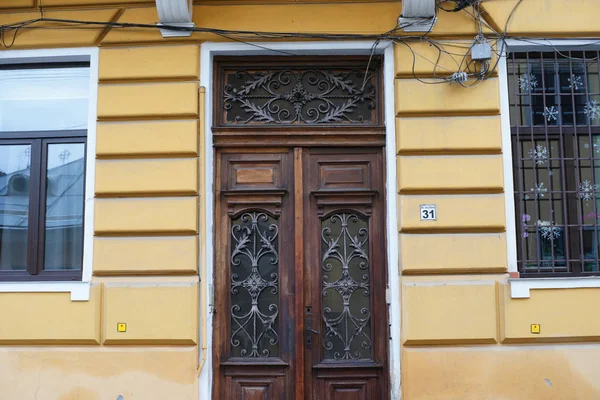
473	61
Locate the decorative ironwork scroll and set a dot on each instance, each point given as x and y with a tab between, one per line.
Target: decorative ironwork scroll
254	286
346	287
300	96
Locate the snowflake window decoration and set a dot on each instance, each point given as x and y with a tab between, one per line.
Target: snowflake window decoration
551	113
575	82
539	190
527	82
586	191
597	145
525	218
548	230
539	154
592	110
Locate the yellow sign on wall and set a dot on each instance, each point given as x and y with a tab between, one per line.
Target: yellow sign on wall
535	328
121	327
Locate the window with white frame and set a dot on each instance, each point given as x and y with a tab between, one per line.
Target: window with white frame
555	129
43	135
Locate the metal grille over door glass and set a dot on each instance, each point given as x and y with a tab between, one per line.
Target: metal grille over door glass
254	286
302	95
346	287
555	119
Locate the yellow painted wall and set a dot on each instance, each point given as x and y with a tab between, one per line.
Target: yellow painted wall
146	249
463	337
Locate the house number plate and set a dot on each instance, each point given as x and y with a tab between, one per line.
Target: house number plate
428	212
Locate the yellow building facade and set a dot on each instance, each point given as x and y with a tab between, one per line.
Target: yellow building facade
462	320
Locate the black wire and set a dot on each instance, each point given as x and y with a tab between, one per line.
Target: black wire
464	64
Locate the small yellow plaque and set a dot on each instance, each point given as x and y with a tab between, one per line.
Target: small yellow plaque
535	328
121	327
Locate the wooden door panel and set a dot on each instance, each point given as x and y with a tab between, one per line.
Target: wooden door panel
345	389
344	175
253	173
254	275
300	275
257	387
346	270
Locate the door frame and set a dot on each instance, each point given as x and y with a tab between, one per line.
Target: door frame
207	52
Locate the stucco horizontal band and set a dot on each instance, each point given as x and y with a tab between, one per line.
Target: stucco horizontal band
449	314
459	213
545	18
147	139
414	98
143	177
176	215
449	135
50	318
148	63
148	100
338	17
52	37
146	255
450	174
452	253
564	315
149	314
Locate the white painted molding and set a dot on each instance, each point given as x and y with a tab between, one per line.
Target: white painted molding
175	13
80	291
507	161
551	44
520	288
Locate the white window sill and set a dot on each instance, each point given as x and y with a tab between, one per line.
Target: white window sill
80	291
520	287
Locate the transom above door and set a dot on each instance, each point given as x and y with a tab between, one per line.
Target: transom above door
300	269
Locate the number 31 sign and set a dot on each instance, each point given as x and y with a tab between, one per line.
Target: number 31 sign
428	212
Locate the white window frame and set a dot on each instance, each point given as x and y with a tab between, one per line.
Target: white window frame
80	290
207	53
520	288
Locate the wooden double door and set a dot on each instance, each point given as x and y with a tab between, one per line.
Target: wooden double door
300	276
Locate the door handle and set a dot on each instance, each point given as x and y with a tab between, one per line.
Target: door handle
309	337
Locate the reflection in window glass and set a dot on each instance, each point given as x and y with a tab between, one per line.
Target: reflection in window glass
64	206
14	206
43	99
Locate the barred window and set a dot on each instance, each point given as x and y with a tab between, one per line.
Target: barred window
555	129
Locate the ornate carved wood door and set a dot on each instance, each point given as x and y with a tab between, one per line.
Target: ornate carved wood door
300	310
300	268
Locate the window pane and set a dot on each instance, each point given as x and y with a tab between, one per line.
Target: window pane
64	206
254	286
345	290
14	206
43	99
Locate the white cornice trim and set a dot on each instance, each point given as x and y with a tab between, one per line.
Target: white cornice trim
175	13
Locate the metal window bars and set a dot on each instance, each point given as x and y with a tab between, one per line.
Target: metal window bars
555	129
